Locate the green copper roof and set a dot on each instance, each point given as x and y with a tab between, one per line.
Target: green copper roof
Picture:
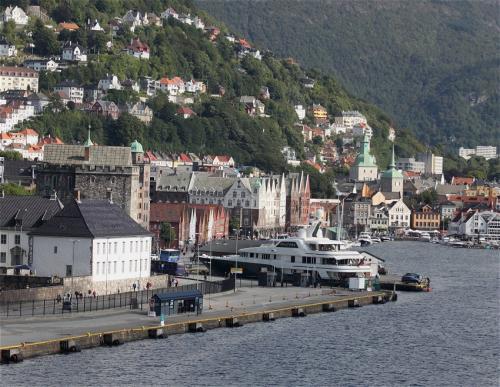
136	147
364	158
392	172
88	142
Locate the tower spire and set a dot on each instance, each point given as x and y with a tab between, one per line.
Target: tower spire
393	162
88	142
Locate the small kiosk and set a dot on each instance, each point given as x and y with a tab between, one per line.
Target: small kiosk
167	304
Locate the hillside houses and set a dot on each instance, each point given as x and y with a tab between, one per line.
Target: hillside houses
15	14
7	50
74	52
138	49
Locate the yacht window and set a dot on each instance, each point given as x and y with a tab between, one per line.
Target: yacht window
292	259
326	247
251	255
304	259
274	256
313	246
288	244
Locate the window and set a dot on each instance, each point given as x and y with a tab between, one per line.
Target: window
17	239
229	203
130	266
109	267
130	246
55	249
123	247
142	246
98	248
136	246
292	259
3	257
235	194
243	194
288	245
69	271
135	265
114	267
116	247
98	266
123	266
3	239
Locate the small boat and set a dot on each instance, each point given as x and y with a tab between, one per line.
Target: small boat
365	239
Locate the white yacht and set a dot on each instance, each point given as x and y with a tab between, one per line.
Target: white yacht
309	252
365	239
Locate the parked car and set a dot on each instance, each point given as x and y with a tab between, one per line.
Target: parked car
411	278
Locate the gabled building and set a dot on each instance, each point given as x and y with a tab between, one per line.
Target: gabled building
16	14
74	52
7	50
68	26
141	111
185	112
476	223
106	109
19	215
93	239
138	49
425	218
399	215
110	82
18	78
41	64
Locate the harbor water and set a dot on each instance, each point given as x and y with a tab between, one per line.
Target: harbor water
447	337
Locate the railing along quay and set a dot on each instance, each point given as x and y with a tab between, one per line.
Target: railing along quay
90	303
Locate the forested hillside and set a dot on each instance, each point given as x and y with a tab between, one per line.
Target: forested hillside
433	65
221	124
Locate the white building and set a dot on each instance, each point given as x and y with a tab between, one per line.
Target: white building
18	216
350	118
410	164
16	14
474	224
7	50
399	214
362	129
41	64
18	78
488	152
433	164
111	82
301	111
95	239
74	52
71	91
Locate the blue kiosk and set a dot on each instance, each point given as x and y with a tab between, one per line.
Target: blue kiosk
172	303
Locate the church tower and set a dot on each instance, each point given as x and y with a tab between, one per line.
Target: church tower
364	168
392	179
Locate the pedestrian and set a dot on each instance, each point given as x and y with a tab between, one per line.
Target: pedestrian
94	294
134	286
58	298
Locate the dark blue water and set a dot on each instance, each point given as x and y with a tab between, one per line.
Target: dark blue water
448	337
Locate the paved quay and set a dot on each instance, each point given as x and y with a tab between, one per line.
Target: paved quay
245	299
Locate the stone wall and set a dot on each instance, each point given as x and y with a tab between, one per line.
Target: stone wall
84	284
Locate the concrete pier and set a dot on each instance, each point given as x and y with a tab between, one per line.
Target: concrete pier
227	317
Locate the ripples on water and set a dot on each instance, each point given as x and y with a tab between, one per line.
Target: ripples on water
446	337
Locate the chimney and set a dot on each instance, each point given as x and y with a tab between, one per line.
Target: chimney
77	195
109	196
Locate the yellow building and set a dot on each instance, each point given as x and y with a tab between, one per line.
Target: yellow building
319	112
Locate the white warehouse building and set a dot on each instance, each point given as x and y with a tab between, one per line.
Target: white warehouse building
93	239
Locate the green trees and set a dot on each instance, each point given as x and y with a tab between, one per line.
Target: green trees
45	40
167	234
11	155
14	189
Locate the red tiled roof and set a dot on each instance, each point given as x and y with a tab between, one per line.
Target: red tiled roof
29	132
173	81
457	180
244	43
68	26
137	45
224	158
185	110
5	136
185	158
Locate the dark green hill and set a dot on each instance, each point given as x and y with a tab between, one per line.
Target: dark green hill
433	65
